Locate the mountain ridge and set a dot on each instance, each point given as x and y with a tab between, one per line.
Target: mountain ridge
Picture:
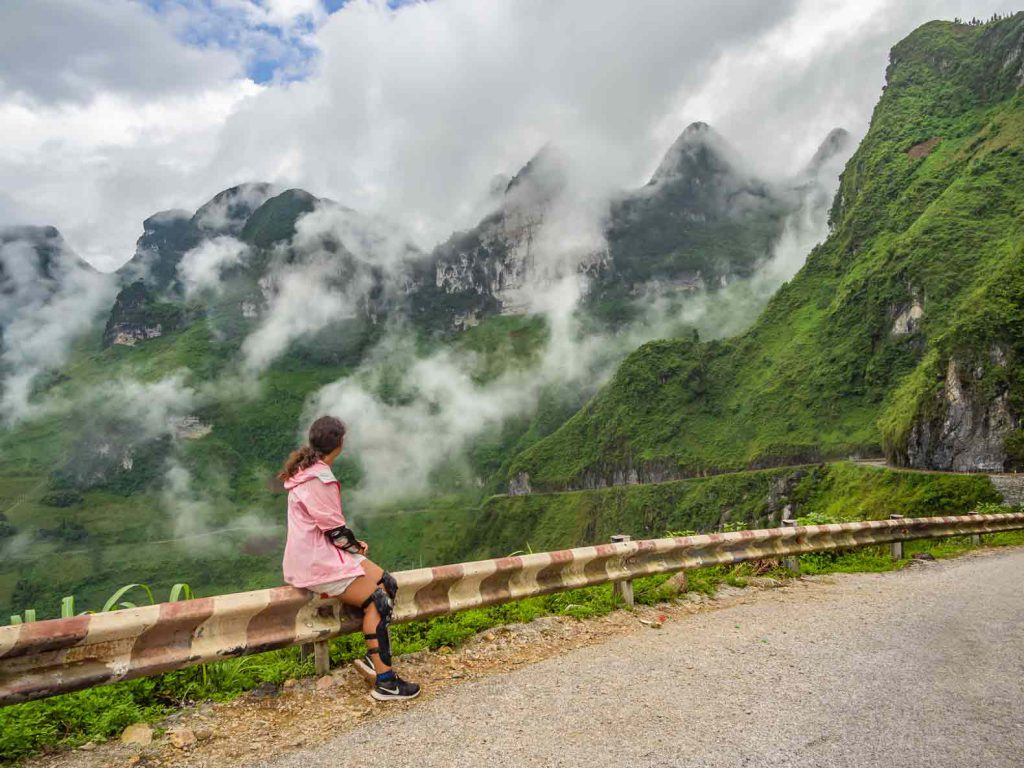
874	346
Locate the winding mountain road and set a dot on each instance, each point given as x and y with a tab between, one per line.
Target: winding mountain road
921	667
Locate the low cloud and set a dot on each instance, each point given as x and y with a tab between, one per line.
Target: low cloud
50	299
434	406
196	514
336	258
200	269
302	302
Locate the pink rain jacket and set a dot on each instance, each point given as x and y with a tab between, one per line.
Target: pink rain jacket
314	506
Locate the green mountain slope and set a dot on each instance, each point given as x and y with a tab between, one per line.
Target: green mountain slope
903	332
154	466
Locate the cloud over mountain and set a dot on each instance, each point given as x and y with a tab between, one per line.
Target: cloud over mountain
409	111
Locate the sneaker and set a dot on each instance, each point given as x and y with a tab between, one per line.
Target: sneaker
365	667
395	689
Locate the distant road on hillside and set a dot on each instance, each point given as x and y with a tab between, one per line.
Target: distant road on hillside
920	667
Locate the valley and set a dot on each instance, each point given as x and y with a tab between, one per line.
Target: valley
709	358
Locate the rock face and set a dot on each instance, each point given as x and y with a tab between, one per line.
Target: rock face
970	432
699	222
137	315
189	427
908	319
496	257
520	485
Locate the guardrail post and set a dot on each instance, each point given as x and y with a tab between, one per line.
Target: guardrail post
896	547
792	562
623	589
975	537
321	657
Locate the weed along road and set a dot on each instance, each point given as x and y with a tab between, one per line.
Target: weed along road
922	667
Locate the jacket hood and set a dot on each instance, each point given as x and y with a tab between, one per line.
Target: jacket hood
318	471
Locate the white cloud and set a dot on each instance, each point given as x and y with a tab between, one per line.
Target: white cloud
73	50
49	299
412	111
200	269
302	302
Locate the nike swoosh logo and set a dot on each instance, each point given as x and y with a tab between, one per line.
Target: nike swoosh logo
389	690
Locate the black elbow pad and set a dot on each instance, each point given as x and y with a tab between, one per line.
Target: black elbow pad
343	538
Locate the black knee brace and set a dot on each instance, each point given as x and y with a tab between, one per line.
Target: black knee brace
390	585
383	599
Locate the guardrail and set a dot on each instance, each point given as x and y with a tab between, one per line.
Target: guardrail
43	658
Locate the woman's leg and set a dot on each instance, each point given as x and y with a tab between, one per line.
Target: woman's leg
357	594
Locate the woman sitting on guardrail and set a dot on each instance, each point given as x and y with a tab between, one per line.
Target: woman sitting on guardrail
324	556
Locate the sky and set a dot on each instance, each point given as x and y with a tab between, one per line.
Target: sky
112	110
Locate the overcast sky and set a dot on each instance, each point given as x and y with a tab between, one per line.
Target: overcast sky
111	110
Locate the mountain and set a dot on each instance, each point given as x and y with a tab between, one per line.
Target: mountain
480	271
700	222
35	264
167	236
902	335
225	262
49	297
165	420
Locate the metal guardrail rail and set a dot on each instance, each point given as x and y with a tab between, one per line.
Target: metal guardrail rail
44	658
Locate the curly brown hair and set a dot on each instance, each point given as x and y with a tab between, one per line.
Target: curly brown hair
325	434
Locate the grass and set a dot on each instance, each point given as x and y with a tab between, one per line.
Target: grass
756	499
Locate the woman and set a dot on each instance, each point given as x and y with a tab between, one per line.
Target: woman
322	555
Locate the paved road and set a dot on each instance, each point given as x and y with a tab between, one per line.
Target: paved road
924	667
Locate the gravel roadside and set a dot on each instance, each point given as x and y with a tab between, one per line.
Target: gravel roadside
921	667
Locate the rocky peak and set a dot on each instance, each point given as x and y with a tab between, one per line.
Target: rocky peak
274	220
834	148
699	153
541	179
228	211
493	260
28	232
35	263
168	235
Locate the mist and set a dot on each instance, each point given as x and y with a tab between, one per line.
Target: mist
202	267
50	298
431	408
324	275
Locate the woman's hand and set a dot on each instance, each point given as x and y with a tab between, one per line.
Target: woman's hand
363	547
